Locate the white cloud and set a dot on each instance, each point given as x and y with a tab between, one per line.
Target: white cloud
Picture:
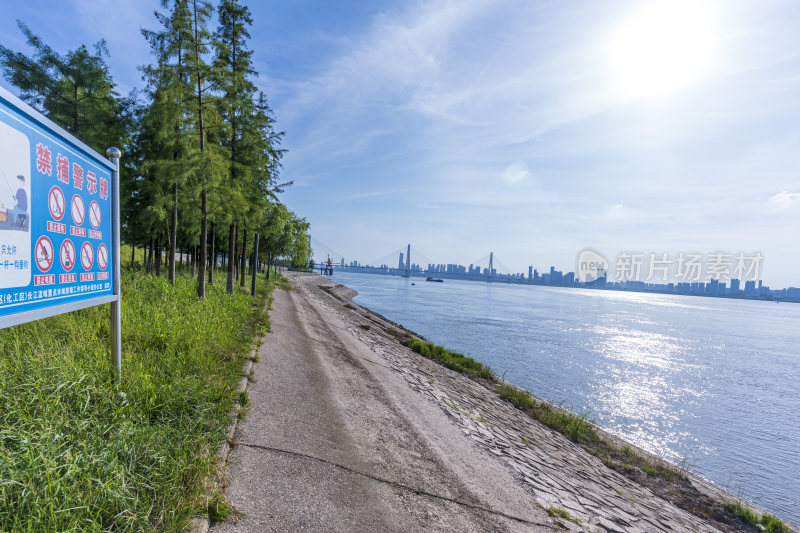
515	172
620	212
786	200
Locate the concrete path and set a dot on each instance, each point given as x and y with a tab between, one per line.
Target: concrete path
336	440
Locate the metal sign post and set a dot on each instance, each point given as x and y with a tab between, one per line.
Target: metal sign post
59	221
116	311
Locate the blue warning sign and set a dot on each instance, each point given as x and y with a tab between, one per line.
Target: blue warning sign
56	234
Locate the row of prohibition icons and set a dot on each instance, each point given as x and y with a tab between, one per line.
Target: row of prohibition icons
57	206
45	257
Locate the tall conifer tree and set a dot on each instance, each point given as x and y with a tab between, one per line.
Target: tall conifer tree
74	90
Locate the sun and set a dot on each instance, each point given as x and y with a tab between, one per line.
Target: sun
663	47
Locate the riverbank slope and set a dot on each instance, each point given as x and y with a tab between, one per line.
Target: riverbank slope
350	430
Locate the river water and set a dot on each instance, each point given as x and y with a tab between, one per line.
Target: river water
709	383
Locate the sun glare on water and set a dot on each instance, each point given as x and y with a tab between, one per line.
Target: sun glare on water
662	47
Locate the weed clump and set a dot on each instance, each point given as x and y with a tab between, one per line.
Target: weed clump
574	427
452	360
561	514
282	282
765	522
658	471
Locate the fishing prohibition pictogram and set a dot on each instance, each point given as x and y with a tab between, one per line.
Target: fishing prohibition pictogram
43	253
55	202
102	257
87	256
78	210
67	255
94	215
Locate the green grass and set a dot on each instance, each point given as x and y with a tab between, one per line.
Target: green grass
561	514
658	471
220	509
79	452
329	290
767	522
575	427
627	451
452	360
282	282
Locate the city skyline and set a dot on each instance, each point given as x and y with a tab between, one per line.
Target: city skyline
678	267
710	286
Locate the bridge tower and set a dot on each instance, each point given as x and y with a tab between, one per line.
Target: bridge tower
491	264
407	271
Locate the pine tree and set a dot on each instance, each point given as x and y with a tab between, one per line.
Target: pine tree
234	66
169	89
74	90
207	162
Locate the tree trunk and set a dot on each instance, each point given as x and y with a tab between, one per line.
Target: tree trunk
158	256
231	254
269	263
194	260
235	258
213	259
243	268
201	279
201	274
133	254
149	267
173	241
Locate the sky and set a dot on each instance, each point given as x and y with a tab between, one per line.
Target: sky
531	129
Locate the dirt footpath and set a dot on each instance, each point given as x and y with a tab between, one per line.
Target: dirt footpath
335	440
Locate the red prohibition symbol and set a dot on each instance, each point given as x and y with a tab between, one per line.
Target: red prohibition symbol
43	253
102	256
78	210
87	256
55	202
94	214
67	255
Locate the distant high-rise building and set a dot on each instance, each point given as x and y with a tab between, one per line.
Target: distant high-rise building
400	264
530	273
712	286
734	285
750	287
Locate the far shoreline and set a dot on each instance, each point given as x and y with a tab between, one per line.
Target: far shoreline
594	287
